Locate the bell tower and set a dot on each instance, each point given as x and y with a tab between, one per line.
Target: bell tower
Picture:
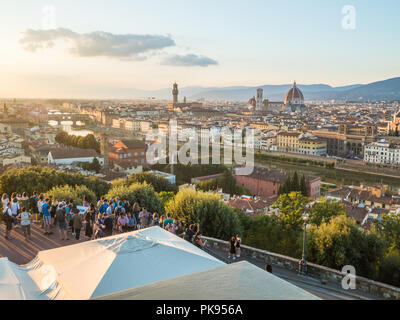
175	93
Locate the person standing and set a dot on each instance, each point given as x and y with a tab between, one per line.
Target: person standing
25	201
25	218
237	245
46	217
77	223
5	200
108	225
232	248
15	208
8	219
90	218
62	221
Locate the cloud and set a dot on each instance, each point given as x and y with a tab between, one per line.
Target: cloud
97	43
189	60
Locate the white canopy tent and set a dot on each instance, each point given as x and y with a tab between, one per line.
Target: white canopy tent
237	281
104	266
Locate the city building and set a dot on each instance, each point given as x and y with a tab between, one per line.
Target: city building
288	141
128	152
312	146
294	99
265	183
382	152
70	155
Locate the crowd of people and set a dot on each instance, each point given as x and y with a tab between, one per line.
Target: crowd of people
107	217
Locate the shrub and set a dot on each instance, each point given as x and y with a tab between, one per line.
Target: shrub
142	193
75	193
216	219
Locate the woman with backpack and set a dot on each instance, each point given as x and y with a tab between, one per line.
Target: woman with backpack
232	248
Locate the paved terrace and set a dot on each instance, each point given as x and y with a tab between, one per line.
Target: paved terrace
20	251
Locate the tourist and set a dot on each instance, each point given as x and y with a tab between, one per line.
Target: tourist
61	219
109	209
268	268
237	245
5	200
46	217
90	218
103	206
8	219
197	241
155	221
85	202
53	209
108	225
122	223
33	205
24	201
189	233
25	218
77	223
142	218
40	205
167	220
15	207
132	222
232	248
173	227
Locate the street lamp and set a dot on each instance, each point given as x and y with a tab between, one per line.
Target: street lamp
303	262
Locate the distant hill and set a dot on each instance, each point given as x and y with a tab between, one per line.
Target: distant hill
381	90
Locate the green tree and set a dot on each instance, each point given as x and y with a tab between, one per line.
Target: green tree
272	234
389	229
324	210
42	179
341	242
159	183
303	186
166	196
389	270
75	193
142	193
291	207
216	219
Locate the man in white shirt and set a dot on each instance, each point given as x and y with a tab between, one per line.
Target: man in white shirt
25	218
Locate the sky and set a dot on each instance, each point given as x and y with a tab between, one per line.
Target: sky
94	48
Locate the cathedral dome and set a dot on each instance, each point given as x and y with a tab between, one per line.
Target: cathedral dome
294	96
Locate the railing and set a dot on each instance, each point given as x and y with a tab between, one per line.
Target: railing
320	272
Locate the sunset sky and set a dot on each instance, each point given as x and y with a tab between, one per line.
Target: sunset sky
90	48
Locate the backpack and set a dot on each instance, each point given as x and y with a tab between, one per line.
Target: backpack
60	215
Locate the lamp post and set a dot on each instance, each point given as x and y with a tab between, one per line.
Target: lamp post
303	262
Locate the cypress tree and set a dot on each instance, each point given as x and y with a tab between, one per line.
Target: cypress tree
303	186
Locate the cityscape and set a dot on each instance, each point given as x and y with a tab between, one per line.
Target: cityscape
122	152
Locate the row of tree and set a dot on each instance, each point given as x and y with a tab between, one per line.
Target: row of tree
293	183
84	142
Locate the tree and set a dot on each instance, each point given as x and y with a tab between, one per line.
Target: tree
303	186
272	234
389	271
166	196
159	183
96	165
341	242
142	193
291	208
42	179
216	219
324	210
76	193
389	229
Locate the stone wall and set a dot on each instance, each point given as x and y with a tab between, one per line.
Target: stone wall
323	273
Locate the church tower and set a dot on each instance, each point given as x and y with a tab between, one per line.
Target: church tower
259	101
175	92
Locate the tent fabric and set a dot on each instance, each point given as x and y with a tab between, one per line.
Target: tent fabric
104	266
237	281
